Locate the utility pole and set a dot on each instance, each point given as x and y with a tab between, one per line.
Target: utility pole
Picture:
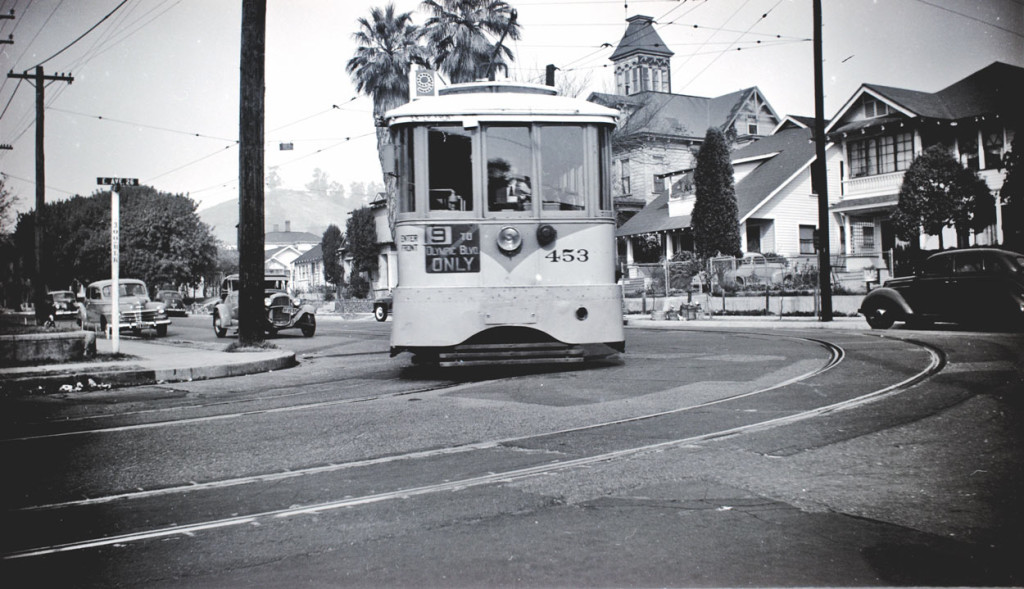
251	237
38	286
819	173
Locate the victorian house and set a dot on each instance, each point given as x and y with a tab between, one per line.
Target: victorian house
881	129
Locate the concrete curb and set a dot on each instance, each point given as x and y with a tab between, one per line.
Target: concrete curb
130	373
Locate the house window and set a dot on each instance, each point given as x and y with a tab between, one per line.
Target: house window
752	124
873	108
992	136
867	237
967	145
807	239
624	175
881	155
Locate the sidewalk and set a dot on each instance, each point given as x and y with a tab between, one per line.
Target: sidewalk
147	362
751	322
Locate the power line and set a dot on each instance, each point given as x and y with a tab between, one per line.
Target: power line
68	46
969	17
143	125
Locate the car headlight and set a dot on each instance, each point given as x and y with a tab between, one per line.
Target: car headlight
267	301
509	240
296	302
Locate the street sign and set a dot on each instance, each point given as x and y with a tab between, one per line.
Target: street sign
117	181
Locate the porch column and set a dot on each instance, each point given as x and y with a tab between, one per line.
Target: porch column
848	230
669	246
629	250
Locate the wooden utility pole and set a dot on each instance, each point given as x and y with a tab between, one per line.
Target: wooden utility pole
251	236
819	173
38	284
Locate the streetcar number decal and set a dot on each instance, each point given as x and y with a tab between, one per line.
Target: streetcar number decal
569	255
452	249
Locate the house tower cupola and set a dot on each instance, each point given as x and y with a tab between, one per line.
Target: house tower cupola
642	61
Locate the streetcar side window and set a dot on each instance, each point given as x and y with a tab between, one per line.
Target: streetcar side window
450	168
563	182
405	170
509	168
604	166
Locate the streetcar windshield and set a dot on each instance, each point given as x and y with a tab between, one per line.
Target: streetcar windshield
563	184
509	162
450	162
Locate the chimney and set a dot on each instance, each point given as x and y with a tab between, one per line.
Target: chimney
287	226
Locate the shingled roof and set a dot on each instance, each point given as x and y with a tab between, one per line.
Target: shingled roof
640	37
676	115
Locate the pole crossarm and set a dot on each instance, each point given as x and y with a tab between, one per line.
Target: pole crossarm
34	78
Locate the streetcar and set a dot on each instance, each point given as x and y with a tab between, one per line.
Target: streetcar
504	227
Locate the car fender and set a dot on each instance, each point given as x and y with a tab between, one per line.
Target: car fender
225	314
303	312
886	294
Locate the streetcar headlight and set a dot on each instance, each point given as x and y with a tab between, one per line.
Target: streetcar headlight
509	240
546	234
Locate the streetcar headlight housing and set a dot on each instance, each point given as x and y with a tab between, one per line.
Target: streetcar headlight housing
546	234
509	240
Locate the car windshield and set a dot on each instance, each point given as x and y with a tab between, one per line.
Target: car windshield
62	296
128	289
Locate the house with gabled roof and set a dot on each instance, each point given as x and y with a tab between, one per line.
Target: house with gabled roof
659	131
880	130
308	271
778	211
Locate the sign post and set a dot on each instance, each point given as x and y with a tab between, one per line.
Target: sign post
115	261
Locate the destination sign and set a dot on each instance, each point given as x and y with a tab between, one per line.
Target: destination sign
452	249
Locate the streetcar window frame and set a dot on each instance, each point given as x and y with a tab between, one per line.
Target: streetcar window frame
604	169
524	185
447	199
405	168
586	183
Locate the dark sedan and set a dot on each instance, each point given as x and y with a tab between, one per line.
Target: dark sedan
982	285
173	302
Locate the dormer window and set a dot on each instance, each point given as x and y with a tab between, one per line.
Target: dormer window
874	108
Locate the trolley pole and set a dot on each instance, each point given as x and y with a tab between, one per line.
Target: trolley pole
819	173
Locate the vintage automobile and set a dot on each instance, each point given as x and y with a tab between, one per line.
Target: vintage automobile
280	312
63	304
755	268
173	302
381	307
981	285
137	311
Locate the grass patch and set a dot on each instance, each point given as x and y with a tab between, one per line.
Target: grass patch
256	347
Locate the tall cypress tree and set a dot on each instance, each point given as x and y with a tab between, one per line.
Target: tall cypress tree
715	218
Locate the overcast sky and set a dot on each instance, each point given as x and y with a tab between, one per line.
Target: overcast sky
155	91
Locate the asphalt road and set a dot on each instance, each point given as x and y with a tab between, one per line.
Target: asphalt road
712	458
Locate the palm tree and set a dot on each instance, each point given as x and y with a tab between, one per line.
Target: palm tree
457	34
387	47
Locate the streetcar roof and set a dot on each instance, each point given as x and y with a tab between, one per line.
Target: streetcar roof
491	101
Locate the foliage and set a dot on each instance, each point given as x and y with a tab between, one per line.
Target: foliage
683	268
361	237
386	51
358	287
7	202
162	240
322	185
1012	194
715	218
646	248
937	192
331	244
457	32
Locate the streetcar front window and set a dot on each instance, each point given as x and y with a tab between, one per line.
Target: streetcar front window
450	168
604	166
509	167
563	182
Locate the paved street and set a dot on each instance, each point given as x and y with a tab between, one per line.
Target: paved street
713	456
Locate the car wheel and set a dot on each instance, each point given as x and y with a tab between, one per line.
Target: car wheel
309	329
161	330
380	313
218	325
739	281
881	316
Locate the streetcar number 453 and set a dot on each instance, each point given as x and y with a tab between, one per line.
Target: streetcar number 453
569	255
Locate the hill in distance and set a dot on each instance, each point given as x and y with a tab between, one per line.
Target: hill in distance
306	211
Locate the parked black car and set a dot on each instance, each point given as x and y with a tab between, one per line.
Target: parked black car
981	285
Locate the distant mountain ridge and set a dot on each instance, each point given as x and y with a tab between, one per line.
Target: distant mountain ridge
306	211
